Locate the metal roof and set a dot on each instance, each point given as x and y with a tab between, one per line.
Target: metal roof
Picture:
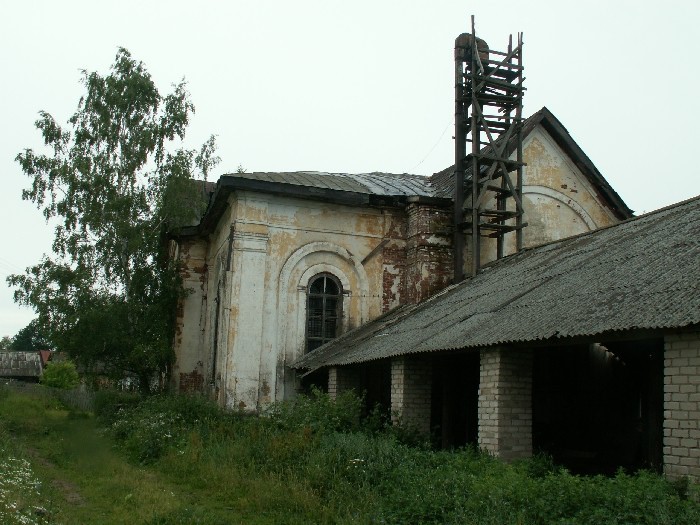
386	184
641	274
20	364
384	189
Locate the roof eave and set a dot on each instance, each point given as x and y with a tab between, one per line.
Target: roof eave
228	184
565	141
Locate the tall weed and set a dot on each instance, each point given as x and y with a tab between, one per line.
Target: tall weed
320	450
317	412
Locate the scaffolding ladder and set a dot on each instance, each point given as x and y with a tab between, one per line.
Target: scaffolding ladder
488	114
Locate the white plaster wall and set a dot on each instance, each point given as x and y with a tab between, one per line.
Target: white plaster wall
218	286
279	244
558	199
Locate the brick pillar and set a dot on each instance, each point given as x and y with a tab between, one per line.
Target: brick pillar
341	379
411	379
682	405
505	403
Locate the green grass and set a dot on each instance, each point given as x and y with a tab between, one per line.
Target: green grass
86	478
170	460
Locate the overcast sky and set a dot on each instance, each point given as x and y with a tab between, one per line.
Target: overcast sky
357	86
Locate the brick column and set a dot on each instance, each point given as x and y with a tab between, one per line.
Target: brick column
341	379
682	405
411	379
505	403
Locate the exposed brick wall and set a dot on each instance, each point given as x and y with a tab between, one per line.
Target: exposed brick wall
411	381
393	261
193	271
505	403
393	274
191	383
682	405
342	379
428	251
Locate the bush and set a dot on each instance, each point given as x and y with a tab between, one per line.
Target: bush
318	412
61	374
109	403
318	446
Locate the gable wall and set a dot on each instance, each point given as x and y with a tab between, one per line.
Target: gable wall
558	199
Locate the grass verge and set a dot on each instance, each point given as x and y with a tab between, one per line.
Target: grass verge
177	460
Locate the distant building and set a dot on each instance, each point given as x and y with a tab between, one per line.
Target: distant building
21	366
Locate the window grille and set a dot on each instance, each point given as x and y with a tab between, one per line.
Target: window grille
324	301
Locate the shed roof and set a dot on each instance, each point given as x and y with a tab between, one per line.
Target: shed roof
641	274
20	364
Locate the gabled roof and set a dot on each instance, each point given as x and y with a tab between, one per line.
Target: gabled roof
443	181
20	364
641	274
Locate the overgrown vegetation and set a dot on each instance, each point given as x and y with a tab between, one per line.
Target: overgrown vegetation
314	460
60	374
21	498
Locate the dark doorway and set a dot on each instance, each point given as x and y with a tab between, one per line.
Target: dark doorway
372	381
597	408
318	379
455	396
377	387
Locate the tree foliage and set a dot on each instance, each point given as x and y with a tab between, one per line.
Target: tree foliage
115	180
31	338
61	374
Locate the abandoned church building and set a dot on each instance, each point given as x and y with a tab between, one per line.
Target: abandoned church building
511	301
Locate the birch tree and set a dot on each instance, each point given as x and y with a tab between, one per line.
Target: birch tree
114	180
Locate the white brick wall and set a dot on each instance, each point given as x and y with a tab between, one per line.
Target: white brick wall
341	379
682	405
505	403
411	382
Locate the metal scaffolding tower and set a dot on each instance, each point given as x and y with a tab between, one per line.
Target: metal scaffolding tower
488	113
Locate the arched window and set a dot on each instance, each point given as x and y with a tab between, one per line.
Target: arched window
324	302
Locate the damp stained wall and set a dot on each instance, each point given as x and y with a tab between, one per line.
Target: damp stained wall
244	317
559	201
243	320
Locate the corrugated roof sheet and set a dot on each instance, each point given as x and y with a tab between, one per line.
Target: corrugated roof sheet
386	184
20	364
643	273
